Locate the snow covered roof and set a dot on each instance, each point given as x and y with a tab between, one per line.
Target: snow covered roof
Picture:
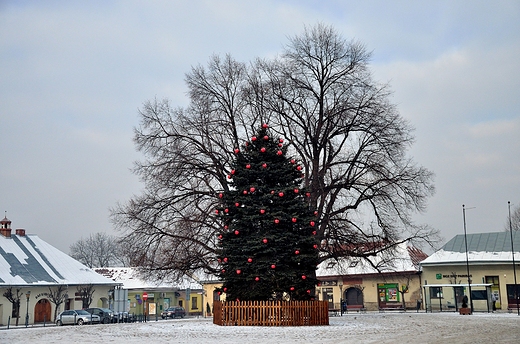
27	260
132	279
404	258
490	248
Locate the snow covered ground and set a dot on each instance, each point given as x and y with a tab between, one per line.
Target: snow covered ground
371	327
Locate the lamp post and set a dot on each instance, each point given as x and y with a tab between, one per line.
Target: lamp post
467	259
340	284
513	254
27	295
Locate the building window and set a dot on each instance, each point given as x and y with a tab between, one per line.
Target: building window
193	302
388	292
436	292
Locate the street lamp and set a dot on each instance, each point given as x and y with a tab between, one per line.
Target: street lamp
27	295
513	254
467	259
340	284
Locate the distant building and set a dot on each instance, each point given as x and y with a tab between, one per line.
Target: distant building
388	280
490	262
160	295
31	269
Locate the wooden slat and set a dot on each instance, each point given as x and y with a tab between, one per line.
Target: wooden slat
271	313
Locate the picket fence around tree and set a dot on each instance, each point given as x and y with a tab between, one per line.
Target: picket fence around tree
270	313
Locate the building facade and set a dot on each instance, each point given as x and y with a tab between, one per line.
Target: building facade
392	282
489	261
38	277
160	295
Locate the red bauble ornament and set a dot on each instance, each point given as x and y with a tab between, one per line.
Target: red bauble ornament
220	195
315	246
228	176
264	240
225	259
236	150
237	204
313	232
248	166
280	145
265	125
262	149
280	194
232	171
280	140
225	290
304	277
226	227
239	271
226	210
296	190
253	138
316	213
277	221
264	165
266	137
252	189
257	278
299	168
308	291
293	161
292	288
220	236
216	211
237	232
308	194
249	260
273	266
312	223
223	271
296	252
279	152
244	192
294	220
272	192
262	211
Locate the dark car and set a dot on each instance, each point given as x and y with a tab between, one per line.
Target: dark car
106	315
173	312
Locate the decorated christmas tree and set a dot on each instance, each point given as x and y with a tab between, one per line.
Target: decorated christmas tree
268	248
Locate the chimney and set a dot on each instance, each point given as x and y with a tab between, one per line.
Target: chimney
5	227
20	232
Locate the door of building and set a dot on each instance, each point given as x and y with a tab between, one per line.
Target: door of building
42	311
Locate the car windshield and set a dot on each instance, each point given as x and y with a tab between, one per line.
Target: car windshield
106	310
82	312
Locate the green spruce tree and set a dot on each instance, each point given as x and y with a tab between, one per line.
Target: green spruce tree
268	249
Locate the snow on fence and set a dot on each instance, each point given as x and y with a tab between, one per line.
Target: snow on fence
270	313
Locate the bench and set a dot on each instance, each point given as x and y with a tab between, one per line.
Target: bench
392	308
357	308
334	311
465	311
511	307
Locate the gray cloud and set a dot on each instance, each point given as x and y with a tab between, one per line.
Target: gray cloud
74	74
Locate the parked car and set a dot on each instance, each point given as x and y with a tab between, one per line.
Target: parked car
77	317
173	312
125	317
106	315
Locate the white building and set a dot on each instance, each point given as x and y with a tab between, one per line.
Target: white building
31	271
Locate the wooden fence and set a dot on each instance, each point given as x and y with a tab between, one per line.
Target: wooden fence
271	313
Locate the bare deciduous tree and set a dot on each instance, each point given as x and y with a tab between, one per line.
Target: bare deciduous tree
513	221
14	297
85	292
99	250
57	296
320	97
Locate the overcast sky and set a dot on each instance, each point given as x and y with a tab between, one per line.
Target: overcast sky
73	75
